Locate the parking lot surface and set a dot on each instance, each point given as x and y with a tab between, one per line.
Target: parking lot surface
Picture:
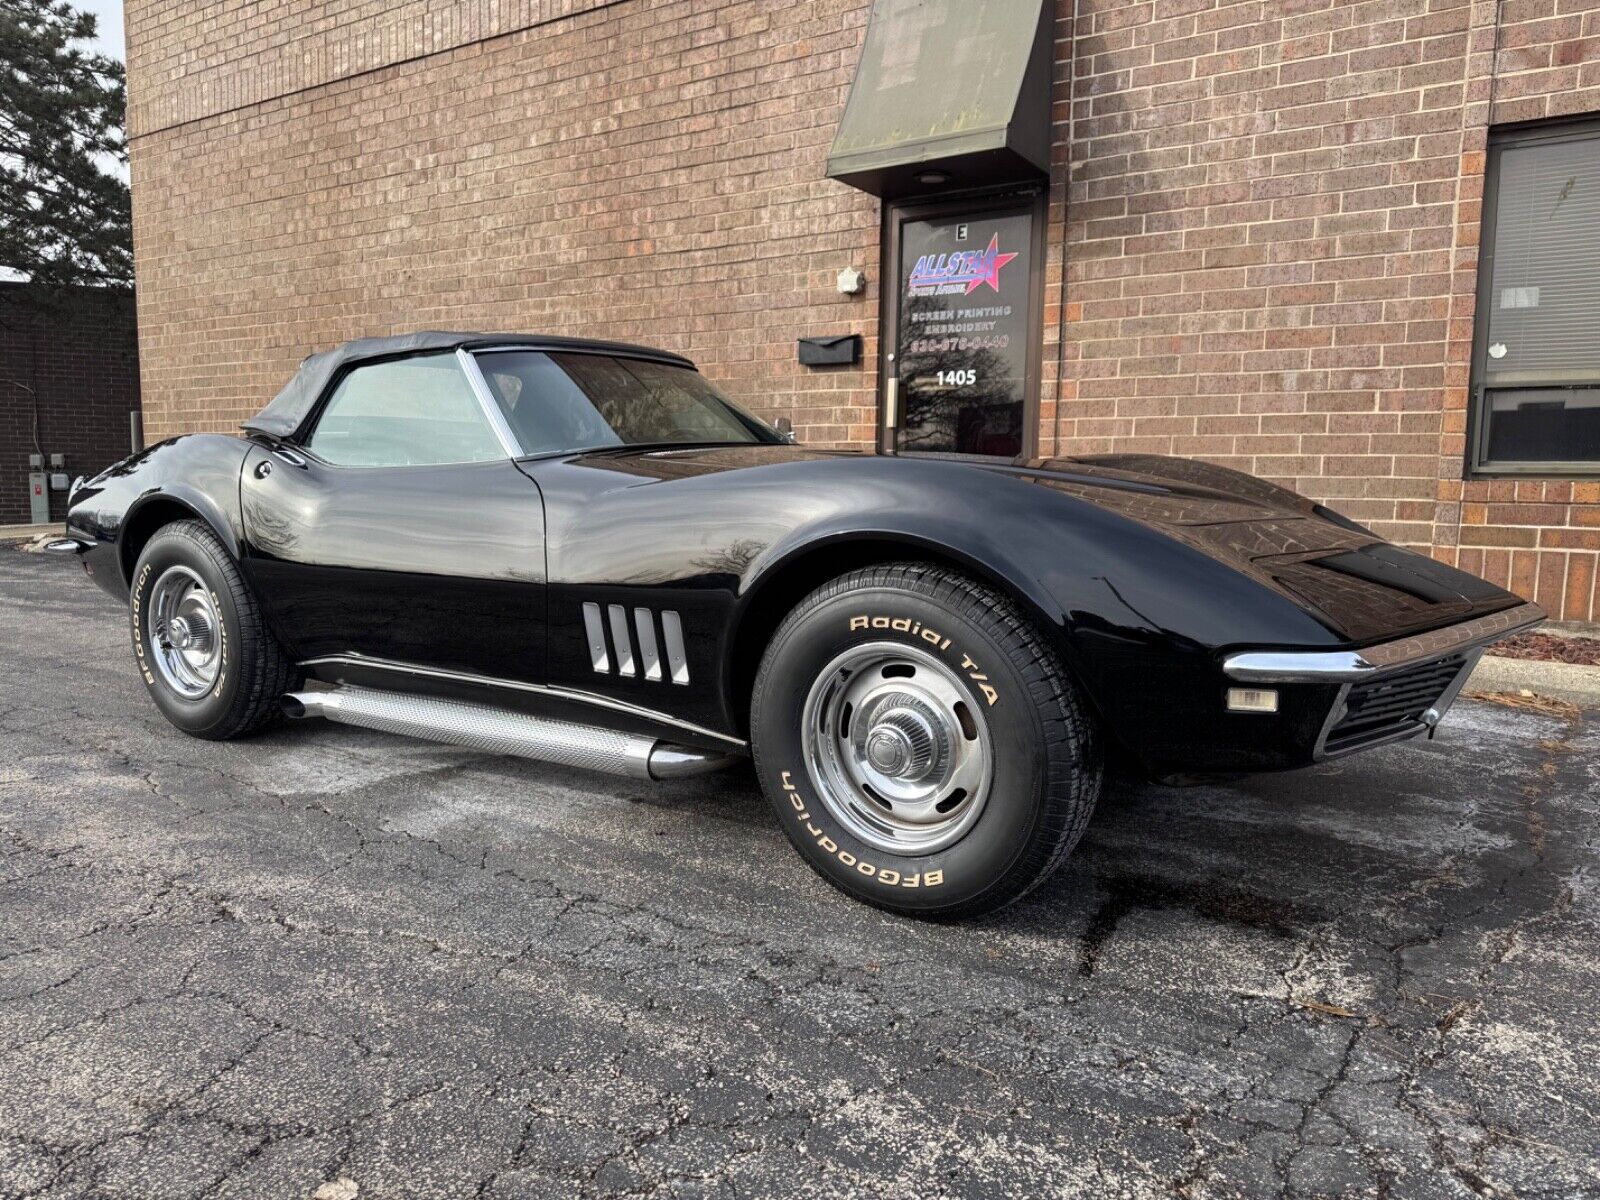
324	955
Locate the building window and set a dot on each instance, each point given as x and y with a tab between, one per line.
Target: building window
1536	354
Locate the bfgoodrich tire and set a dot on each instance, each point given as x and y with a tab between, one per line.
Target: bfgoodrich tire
205	654
921	743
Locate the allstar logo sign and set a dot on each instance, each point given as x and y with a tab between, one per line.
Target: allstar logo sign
966	269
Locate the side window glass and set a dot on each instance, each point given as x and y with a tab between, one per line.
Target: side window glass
410	412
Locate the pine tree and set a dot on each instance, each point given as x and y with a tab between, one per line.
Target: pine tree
64	219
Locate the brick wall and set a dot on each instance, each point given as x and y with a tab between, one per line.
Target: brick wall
651	172
78	352
1540	538
1271	238
1262	245
194	62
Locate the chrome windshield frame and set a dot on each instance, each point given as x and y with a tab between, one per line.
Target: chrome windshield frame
492	413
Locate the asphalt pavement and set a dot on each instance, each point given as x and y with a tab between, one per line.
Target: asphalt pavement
327	958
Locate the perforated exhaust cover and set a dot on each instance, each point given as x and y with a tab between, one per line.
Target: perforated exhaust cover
499	731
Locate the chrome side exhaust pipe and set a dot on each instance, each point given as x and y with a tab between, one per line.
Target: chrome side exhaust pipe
500	731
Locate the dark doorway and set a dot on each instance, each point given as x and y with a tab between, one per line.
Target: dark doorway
963	326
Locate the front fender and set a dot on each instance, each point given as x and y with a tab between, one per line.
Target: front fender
839	539
1075	565
1138	616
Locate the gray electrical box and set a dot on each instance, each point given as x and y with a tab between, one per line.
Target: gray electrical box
39	497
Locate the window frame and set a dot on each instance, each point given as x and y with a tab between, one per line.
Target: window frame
1028	198
1478	464
465	367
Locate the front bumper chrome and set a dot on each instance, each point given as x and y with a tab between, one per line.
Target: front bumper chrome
1345	666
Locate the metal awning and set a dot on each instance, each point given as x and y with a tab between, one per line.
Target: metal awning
958	87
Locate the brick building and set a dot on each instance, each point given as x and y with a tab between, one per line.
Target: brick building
69	380
1253	232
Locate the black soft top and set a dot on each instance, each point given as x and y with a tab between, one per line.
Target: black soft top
289	408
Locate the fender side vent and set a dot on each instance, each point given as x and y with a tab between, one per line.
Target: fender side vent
598	658
636	648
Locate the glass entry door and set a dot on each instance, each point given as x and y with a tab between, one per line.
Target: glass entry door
962	340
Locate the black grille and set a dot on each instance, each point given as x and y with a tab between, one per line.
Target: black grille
1392	704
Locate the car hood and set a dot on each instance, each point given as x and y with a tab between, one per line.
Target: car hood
1361	588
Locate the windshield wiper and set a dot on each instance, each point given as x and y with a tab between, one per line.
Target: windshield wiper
647	447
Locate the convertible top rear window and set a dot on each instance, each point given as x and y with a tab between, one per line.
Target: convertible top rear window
558	403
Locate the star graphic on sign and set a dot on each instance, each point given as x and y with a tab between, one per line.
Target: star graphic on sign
990	263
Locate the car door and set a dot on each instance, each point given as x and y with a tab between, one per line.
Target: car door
400	528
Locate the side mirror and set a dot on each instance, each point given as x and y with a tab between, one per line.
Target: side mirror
786	427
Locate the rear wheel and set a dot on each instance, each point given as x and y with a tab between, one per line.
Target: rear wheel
204	652
922	744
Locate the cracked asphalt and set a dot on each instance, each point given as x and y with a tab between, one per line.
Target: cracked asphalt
250	969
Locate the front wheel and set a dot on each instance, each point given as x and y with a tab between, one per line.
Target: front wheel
922	744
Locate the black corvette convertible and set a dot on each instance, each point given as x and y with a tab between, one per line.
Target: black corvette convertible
583	552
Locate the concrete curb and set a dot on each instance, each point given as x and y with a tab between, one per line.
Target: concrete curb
10	534
1563	681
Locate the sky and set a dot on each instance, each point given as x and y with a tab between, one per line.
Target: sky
110	41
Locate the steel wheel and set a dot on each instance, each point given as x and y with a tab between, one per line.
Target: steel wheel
185	632
896	750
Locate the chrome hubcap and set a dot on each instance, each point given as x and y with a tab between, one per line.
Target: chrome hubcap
899	754
184	632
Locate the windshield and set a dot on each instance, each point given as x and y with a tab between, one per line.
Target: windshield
558	403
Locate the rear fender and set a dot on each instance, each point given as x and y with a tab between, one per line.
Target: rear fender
191	477
154	509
